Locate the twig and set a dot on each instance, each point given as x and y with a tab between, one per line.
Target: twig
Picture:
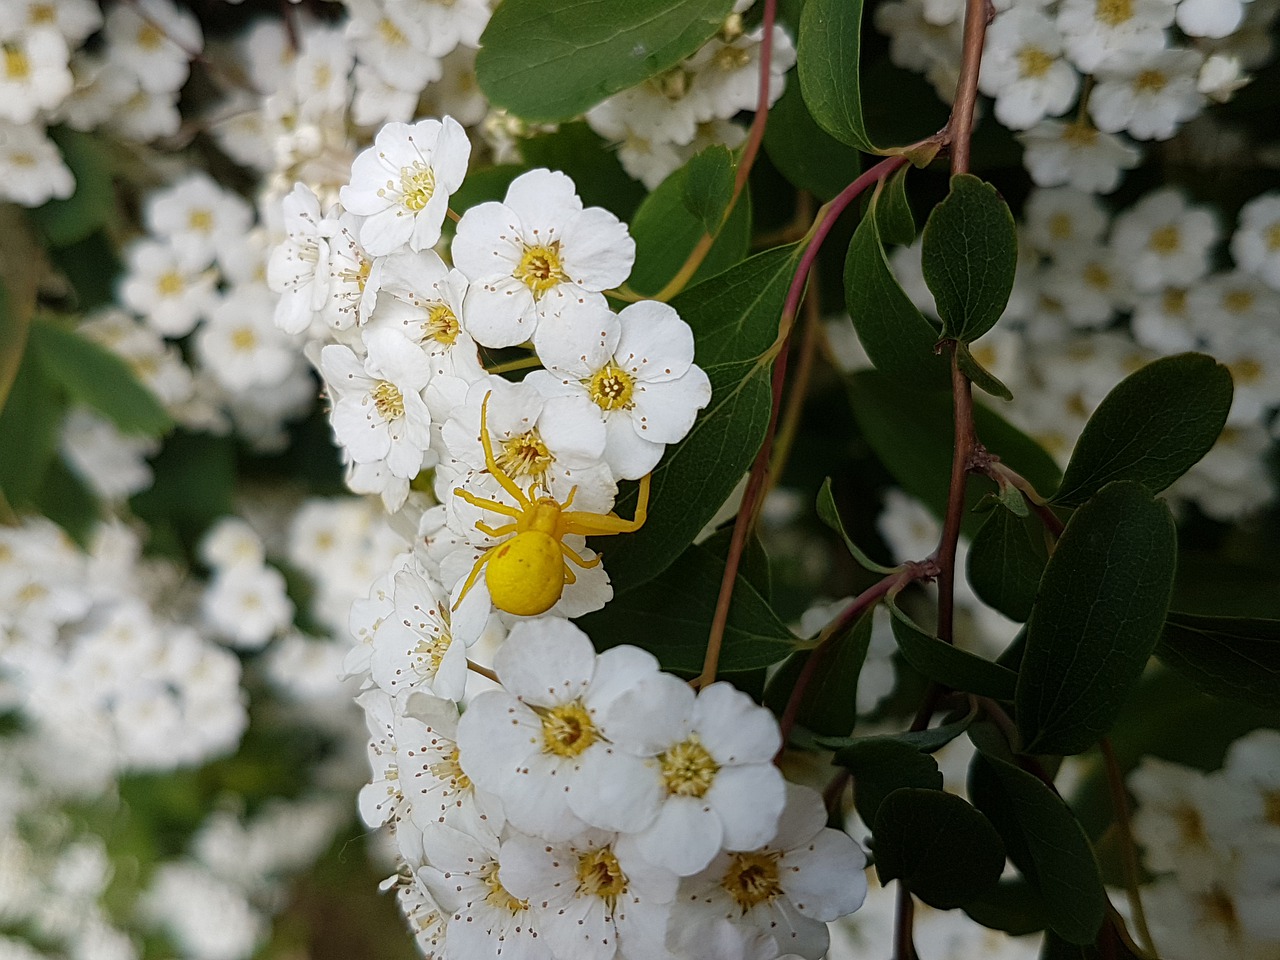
800	383
977	15
966	443
1129	856
482	671
1000	473
904	945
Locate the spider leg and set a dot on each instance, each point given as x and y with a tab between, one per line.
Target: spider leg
484	503
501	531
508	484
471	579
577	558
573	492
569	576
607	524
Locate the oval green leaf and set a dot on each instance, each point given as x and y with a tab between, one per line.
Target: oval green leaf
948	664
881	765
1006	559
828	55
1236	658
1096	620
550	60
1152	427
829	515
93	205
969	252
942	849
829	704
805	153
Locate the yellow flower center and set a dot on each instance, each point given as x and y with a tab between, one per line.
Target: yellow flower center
1190	826
674	84
170	284
1150	81
441	325
16	64
1096	276
1271	806
1273	237
600	875
1114	12
242	338
732	58
1174	300
567	729
1165	239
22	159
1034	62
1246	371
39	13
389	400
611	387
688	770
1218	908
1238	301
449	769
391	34
1080	135
201	220
540	268
1060	226
524	455
417	184
752	879
499	897
150	37
985	354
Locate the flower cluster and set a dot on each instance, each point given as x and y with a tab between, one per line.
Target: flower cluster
1142	67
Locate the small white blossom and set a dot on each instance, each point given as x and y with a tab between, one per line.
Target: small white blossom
1022	67
1076	155
1147	95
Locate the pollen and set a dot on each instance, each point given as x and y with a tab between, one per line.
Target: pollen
389	400
200	220
417	184
1034	62
1080	135
1165	239
39	13
1114	12
391	34
449	769
1273	237
170	284
1190	826
1174	301
688	770
732	58
524	455
1150	81
434	650
540	268
1096	276
567	729
1060	226
500	897
16	64
600	875
1238	301
442	324
150	37
611	387
752	879
242	338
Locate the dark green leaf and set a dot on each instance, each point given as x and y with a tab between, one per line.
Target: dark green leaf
91	266
805	153
550	60
671	615
828	56
734	317
828	514
1013	906
881	765
1046	842
982	378
925	741
666	232
968	253
942	849
195	485
829	703
92	205
897	337
1152	427
755	561
948	664
911	430
894	219
593	164
1006	559
1096	620
709	186
1237	658
65	499
484	185
95	376
28	431
1110	946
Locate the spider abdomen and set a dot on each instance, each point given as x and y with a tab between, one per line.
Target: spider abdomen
525	574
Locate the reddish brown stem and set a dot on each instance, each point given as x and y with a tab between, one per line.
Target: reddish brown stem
966	442
977	15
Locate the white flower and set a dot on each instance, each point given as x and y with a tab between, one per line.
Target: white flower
1109	31
1164	240
378	410
1221	75
197	216
539	744
171	293
31	169
1022	67
74	19
529	254
1147	95
154	40
248	604
299	267
726	73
147	115
1256	243
401	184
1162	321
1062	215
1210	18
785	890
714	755
207	918
1177	820
112	463
33	71
240	343
1077	155
232	542
375	101
384	48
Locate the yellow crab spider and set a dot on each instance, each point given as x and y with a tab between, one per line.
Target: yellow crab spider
526	574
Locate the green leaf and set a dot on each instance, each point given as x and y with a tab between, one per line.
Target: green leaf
195	485
708	188
968	253
666	232
95	376
830	701
1237	658
592	162
1006	559
911	432
65	499
982	378
1013	906
948	664
896	335
881	765
1096	620
942	849
1110	946
828	514
92	206
671	615
550	60
485	185
806	154
1046	842
894	219
92	267
1152	427
828	55
28	431
734	317
925	741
